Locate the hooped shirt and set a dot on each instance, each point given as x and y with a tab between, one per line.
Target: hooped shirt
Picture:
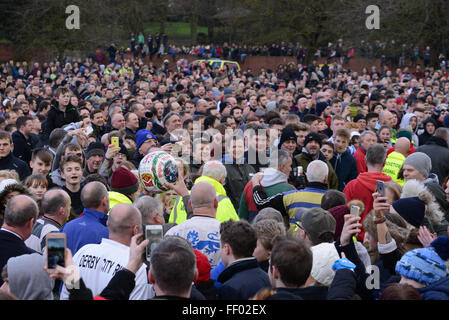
98	263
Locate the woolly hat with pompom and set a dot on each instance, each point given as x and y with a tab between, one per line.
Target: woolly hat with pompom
425	265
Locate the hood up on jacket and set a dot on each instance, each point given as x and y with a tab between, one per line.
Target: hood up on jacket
405	122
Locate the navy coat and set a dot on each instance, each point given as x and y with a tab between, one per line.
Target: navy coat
242	280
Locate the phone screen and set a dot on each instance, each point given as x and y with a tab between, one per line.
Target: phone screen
381	188
355	210
154	234
55	252
115	141
353	111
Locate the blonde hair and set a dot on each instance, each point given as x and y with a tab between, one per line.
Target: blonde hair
9	174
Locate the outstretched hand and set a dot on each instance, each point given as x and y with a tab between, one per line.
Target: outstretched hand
180	187
137	248
425	237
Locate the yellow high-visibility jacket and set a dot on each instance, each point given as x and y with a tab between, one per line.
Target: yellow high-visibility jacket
225	211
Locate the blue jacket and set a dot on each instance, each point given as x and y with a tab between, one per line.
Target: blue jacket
215	273
437	291
90	228
345	167
242	280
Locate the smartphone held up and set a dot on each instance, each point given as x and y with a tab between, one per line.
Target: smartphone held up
154	233
56	244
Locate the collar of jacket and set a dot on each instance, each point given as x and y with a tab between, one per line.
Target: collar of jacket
21	135
69	107
217	185
97	215
317	185
227	159
309	156
236	268
6	159
437	141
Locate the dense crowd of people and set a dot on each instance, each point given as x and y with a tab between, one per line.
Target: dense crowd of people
390	53
293	184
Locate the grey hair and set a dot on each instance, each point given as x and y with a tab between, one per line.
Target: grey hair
279	158
168	116
148	207
112	107
214	169
367	132
317	171
268	213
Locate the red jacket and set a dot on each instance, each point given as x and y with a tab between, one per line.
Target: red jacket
362	189
359	156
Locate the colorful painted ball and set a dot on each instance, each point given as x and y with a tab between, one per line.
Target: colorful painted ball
156	169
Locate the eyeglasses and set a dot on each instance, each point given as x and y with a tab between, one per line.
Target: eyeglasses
297	223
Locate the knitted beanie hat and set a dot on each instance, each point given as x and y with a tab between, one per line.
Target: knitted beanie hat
420	161
404	133
142	136
203	266
124	181
287	135
95	148
425	265
313	137
411	209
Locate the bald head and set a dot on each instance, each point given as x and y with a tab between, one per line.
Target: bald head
93	194
402	146
203	195
122	219
53	200
20	210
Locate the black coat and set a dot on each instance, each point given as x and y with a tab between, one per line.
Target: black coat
207	289
242	280
342	288
23	147
238	175
11	246
256	161
57	118
11	162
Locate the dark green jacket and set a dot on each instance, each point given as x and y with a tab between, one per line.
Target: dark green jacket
303	160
